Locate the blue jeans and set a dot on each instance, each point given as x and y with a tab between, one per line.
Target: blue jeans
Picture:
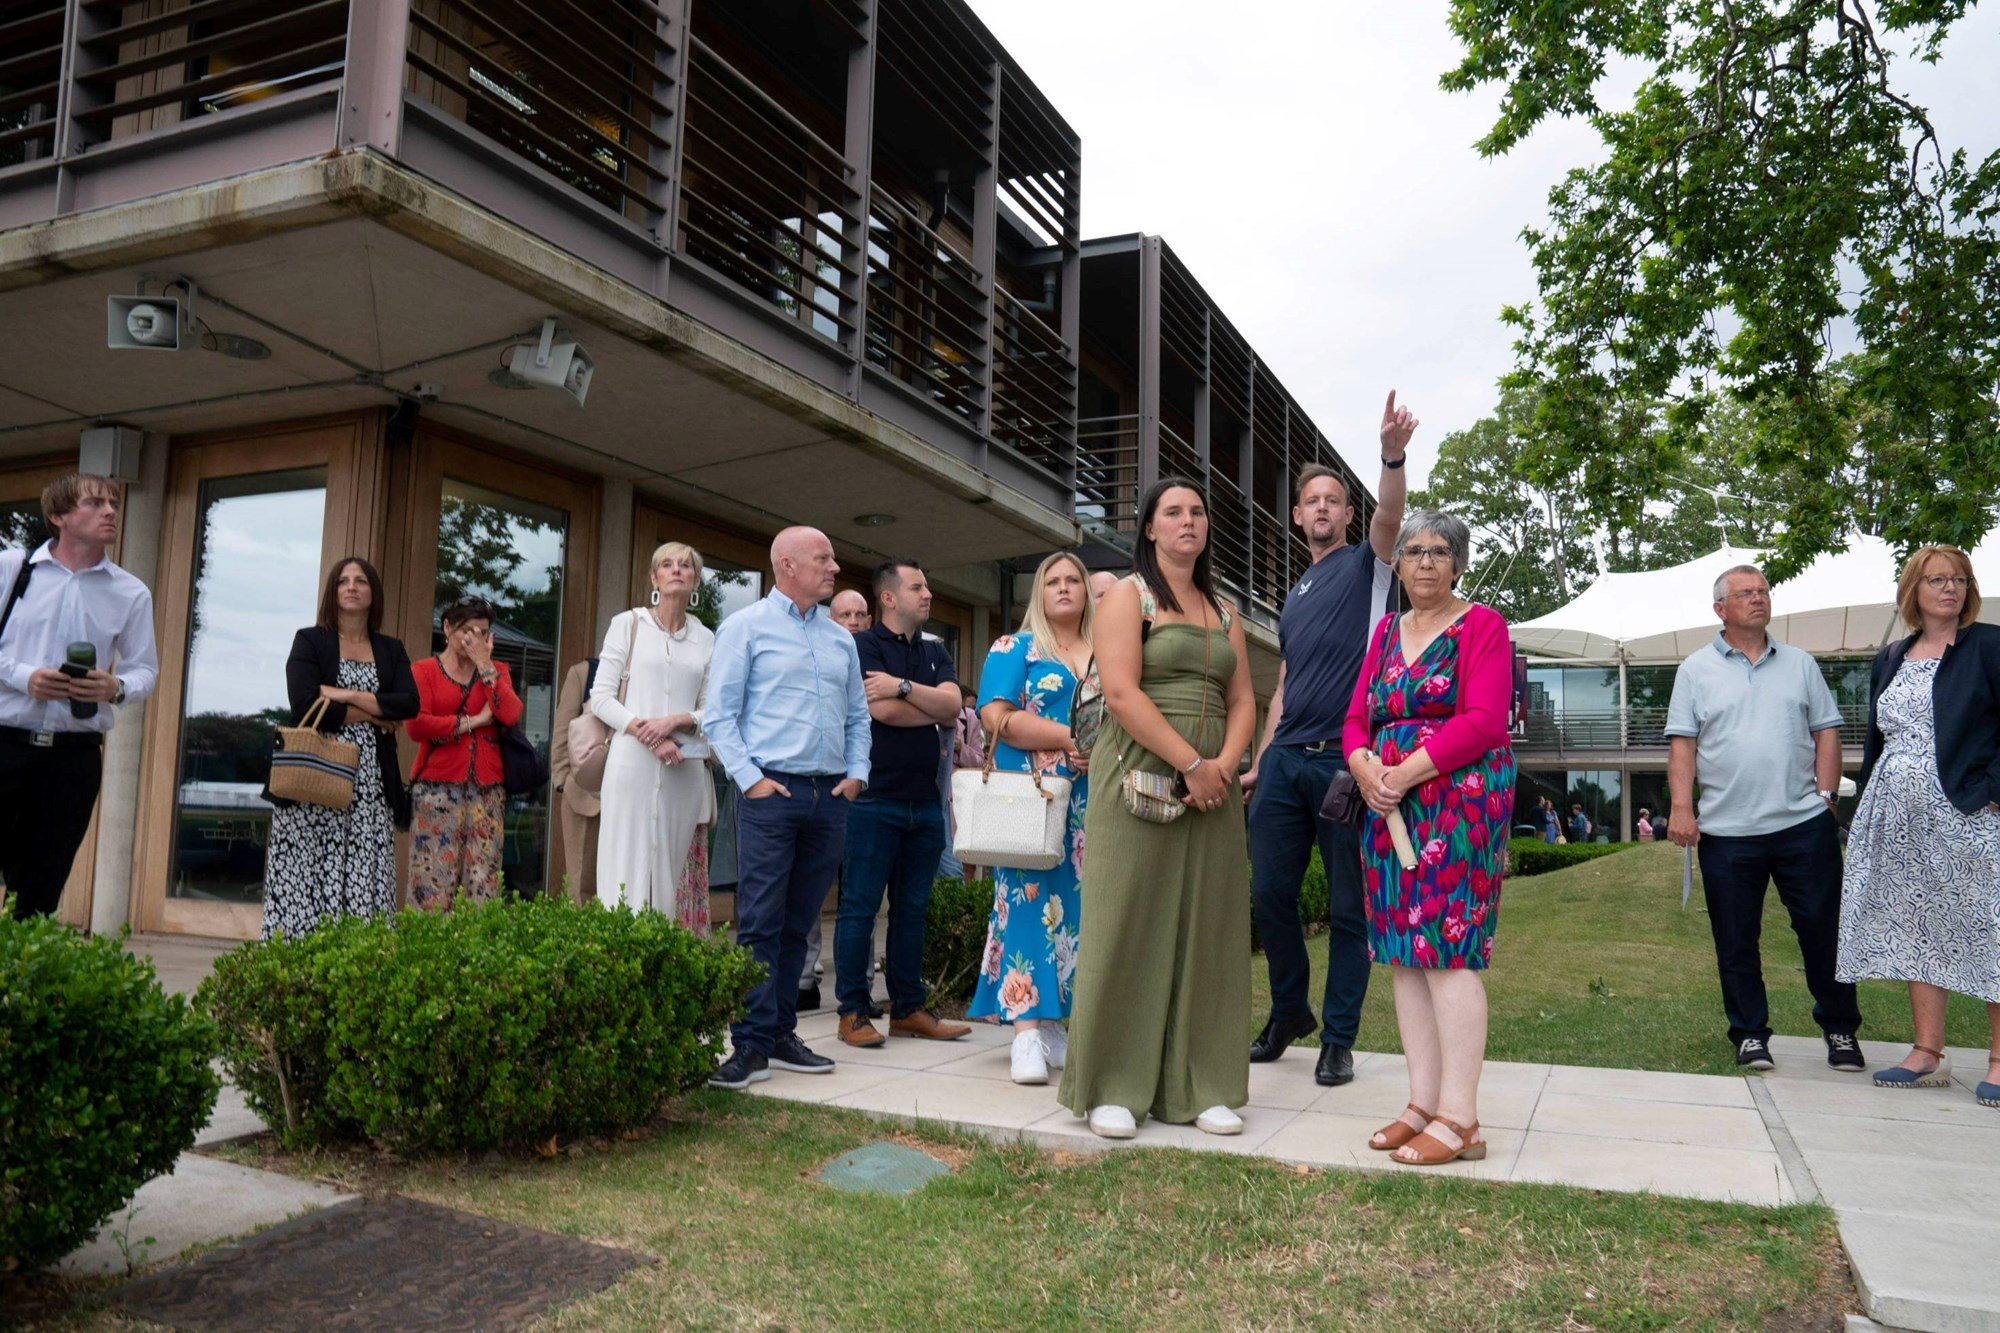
892	845
1284	825
787	848
1804	862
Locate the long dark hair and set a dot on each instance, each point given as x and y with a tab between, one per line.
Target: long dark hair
1146	561
329	598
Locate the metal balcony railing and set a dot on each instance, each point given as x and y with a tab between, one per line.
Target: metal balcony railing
142	67
1635	727
31	51
1034	386
573	88
767	202
925	310
1107	472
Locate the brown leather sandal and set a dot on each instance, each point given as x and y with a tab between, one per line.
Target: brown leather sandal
1398	1132
1429	1151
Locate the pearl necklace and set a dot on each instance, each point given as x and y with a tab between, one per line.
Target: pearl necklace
676	636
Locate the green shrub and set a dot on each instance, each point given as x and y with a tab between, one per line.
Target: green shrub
954	937
105	1079
503	1023
1526	856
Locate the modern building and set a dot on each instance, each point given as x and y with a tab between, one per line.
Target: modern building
799	261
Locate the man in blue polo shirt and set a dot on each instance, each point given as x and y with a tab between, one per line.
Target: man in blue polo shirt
895	832
1322	637
1755	722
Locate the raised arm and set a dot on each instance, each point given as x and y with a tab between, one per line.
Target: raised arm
1398	425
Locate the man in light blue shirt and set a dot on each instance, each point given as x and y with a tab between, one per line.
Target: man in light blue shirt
1756	723
787	716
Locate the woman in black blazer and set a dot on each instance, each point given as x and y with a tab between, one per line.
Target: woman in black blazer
322	863
1921	903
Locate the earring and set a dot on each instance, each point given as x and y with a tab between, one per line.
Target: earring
653	597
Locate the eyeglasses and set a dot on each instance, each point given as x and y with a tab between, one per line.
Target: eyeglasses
1426	555
1749	595
1939	582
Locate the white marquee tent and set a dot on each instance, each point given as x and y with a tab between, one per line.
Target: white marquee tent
1844	603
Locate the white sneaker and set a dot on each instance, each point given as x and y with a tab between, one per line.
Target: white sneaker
1055	1044
1219	1120
1112	1122
1029	1064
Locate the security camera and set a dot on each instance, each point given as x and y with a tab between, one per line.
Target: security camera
424	391
149	322
554	361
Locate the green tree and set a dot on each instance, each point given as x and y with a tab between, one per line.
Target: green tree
1768	195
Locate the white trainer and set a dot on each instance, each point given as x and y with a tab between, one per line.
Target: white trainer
1055	1044
1029	1065
1219	1120
1112	1122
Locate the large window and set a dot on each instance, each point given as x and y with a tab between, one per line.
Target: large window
512	552
256	580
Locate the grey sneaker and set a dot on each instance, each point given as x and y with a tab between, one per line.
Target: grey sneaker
1752	1053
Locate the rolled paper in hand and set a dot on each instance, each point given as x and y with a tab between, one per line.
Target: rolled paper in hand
1399	832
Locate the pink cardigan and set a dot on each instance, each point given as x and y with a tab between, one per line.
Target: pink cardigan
1485	692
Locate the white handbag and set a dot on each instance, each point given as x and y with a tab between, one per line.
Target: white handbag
1016	820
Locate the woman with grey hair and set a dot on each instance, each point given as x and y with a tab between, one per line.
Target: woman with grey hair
1427	739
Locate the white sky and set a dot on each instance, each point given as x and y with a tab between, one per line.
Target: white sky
1300	158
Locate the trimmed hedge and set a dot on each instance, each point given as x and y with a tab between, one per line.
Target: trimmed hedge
1526	856
496	1024
105	1079
954	937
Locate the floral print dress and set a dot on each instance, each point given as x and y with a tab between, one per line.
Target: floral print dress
1443	913
1031	935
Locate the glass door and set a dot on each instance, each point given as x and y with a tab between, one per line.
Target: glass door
256	581
512	551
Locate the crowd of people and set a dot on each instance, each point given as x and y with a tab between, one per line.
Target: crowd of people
838	724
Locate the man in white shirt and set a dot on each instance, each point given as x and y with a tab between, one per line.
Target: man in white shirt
52	723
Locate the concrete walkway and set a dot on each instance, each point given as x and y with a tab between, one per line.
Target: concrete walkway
1914	1177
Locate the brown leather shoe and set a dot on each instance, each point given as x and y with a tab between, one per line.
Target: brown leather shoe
856	1030
923	1023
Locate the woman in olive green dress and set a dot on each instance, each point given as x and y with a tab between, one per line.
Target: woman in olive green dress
1162	991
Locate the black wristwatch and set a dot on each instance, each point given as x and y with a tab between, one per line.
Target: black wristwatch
1394	463
903	690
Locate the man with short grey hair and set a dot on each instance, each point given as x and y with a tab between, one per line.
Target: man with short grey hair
1756	723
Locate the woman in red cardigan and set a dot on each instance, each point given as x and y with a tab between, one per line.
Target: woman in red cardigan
1426	737
458	803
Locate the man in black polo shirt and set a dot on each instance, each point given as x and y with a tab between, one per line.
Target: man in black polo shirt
895	829
1322	637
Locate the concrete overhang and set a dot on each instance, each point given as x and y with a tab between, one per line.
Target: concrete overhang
366	279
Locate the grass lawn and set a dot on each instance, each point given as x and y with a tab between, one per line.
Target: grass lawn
721	1193
1598	964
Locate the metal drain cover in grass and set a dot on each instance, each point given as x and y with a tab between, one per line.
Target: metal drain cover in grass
374	1264
883	1168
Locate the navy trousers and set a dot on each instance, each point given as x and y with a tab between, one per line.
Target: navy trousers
787	848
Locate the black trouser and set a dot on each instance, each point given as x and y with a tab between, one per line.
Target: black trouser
46	796
1804	862
1284	826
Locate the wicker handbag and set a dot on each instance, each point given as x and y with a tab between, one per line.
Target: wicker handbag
589	737
308	765
1016	820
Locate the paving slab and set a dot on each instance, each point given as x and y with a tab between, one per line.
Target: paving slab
1315	1138
1648	1085
1065	1130
1939	1106
1943	1193
1731	1174
202	1201
1651	1122
1941	1279
1381	1089
979	1102
231	1119
1908	1140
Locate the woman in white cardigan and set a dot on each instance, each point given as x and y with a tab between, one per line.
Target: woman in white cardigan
652	841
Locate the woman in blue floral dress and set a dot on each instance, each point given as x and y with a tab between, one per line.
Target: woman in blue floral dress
1025	692
1427	738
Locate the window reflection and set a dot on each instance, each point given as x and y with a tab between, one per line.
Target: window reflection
256	580
21	524
511	551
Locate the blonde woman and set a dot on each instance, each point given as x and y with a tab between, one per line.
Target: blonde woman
1923	858
1025	692
652	841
